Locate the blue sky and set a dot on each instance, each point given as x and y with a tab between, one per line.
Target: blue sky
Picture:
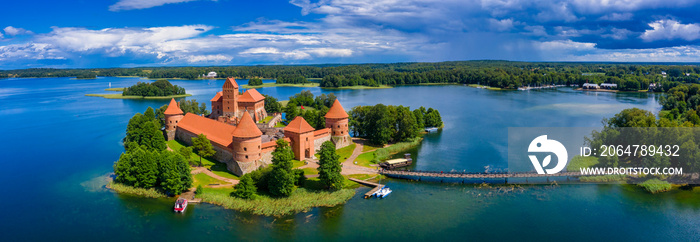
127	33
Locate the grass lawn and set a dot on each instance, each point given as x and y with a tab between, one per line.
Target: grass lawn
121	188
204	180
119	96
310	171
280	125
115	89
297	163
369	147
312	84
216	167
266	119
346	152
365	159
655	185
581	162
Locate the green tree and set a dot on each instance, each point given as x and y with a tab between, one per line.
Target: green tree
175	176
137	167
245	189
291	111
272	105
255	81
281	180
329	167
203	147
186	152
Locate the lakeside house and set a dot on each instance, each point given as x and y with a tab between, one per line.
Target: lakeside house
211	75
590	86
609	86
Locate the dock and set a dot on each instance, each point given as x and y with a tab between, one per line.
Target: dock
371	192
420	175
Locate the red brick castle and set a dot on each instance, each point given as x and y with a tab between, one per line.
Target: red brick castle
238	140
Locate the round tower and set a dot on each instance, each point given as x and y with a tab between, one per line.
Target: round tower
173	115
337	121
247	141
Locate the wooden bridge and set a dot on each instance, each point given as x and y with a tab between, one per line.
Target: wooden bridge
472	175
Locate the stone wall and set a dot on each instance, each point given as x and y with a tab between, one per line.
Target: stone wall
266	159
341	141
318	140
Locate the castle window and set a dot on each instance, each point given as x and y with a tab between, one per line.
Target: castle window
258	147
341	132
245	149
246	157
307	138
338	126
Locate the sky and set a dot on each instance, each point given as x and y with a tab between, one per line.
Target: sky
131	33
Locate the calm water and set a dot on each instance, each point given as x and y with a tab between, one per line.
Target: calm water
58	145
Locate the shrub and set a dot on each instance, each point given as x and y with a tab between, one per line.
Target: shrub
655	185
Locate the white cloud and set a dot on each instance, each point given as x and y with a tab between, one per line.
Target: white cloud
12	31
142	4
564	45
501	25
670	30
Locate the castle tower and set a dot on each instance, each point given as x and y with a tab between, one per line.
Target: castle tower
173	115
247	141
302	136
337	121
230	97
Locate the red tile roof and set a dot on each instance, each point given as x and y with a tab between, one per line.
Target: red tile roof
336	111
298	125
215	131
246	128
231	81
322	132
217	97
173	108
251	96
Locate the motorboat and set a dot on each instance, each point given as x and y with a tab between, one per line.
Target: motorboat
180	205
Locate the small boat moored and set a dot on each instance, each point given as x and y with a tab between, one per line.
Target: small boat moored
180	205
383	192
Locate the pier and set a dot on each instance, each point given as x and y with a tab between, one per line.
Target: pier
376	186
417	175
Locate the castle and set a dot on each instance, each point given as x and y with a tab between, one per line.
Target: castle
239	142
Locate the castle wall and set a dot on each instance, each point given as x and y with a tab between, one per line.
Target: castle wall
341	141
223	154
318	140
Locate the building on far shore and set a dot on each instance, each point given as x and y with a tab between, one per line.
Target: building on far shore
590	86
239	141
211	75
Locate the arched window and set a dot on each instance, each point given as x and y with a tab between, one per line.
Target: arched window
245	149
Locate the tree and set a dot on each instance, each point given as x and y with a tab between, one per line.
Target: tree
137	167
245	189
291	111
329	167
272	105
186	152
255	81
175	176
145	130
203	147
379	125
432	118
281	180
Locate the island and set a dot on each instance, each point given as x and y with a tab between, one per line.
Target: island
242	156
159	89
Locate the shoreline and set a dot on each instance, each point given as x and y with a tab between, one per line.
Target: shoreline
119	96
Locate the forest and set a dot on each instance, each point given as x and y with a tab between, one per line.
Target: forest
503	74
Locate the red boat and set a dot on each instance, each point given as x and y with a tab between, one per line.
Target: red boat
180	205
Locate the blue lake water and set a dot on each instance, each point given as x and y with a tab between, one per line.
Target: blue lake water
58	144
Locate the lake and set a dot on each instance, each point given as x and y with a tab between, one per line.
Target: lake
59	145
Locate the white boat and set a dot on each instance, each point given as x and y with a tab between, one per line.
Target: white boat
383	192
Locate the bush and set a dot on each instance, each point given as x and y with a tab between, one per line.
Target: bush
200	190
655	185
299	178
245	189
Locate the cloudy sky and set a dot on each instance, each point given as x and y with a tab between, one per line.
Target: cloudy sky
127	33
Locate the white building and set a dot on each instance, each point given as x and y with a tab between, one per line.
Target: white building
211	75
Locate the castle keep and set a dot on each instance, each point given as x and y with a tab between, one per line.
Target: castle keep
239	142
